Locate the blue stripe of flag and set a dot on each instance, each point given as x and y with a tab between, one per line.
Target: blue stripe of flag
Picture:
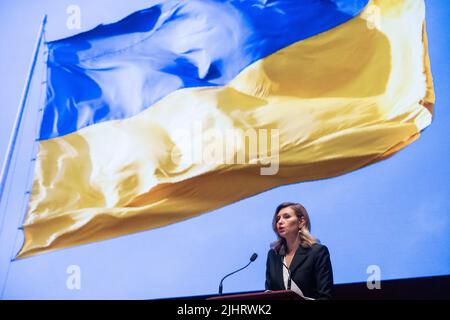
115	71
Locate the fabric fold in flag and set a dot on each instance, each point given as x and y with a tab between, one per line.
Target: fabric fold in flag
116	71
325	97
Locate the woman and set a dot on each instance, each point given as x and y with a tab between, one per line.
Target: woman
298	253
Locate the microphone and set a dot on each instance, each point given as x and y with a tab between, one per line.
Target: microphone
282	252
252	258
290	276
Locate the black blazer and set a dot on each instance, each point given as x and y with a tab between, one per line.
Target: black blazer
310	269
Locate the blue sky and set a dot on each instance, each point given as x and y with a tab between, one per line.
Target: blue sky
394	214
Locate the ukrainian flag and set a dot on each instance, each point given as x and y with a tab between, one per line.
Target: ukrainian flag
340	84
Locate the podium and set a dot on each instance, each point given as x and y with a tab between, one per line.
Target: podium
263	295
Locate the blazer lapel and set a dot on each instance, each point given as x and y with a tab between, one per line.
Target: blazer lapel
299	258
300	255
279	270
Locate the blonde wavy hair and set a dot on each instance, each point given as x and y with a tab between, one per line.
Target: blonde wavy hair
306	239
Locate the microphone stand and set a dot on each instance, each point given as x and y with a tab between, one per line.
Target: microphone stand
253	258
290	276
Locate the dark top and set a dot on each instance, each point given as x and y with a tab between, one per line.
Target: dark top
310	269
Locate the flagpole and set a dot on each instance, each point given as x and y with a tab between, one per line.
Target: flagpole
19	116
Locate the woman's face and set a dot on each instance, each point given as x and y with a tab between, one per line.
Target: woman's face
287	223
